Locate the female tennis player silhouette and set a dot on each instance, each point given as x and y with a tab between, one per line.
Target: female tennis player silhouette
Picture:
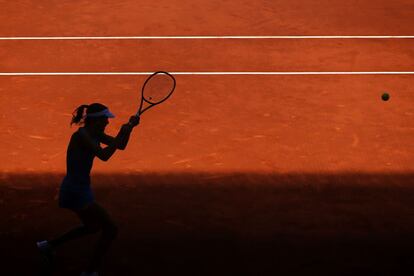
75	191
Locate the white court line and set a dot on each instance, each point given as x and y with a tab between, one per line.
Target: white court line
206	37
202	73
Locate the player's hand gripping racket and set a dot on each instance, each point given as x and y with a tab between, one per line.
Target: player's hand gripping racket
156	89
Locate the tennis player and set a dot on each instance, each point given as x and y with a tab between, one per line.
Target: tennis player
75	191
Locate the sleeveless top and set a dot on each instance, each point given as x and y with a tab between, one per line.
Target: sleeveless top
79	161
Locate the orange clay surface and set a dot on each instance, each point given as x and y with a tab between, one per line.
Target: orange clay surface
238	224
254	175
213	123
201	17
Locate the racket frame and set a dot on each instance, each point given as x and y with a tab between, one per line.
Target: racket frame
151	104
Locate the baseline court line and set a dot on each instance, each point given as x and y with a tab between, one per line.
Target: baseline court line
205	37
202	73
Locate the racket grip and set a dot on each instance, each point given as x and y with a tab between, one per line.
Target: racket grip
134	120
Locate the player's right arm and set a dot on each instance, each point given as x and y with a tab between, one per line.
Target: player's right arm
102	153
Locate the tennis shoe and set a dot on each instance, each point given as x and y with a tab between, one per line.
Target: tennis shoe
46	251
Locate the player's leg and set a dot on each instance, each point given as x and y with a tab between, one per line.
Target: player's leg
77	201
97	215
72	234
47	247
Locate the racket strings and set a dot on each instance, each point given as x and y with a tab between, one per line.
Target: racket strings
158	88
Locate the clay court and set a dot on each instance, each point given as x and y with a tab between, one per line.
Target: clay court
274	156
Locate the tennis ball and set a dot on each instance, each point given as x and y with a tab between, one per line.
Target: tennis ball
385	97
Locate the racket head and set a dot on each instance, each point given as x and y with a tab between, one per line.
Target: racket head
158	87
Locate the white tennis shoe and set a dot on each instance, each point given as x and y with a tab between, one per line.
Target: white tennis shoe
46	250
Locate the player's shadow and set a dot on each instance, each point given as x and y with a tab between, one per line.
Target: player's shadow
224	224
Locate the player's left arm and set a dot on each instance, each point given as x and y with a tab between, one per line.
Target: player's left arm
123	134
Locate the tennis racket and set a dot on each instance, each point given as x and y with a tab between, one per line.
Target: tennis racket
156	89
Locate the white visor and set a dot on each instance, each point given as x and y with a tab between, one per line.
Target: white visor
104	112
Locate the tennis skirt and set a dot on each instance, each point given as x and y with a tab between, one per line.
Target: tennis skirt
75	196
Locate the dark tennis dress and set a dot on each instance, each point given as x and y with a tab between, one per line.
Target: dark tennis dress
75	190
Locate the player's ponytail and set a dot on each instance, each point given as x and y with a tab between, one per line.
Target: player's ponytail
77	115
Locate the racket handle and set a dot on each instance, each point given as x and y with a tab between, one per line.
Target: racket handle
136	116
